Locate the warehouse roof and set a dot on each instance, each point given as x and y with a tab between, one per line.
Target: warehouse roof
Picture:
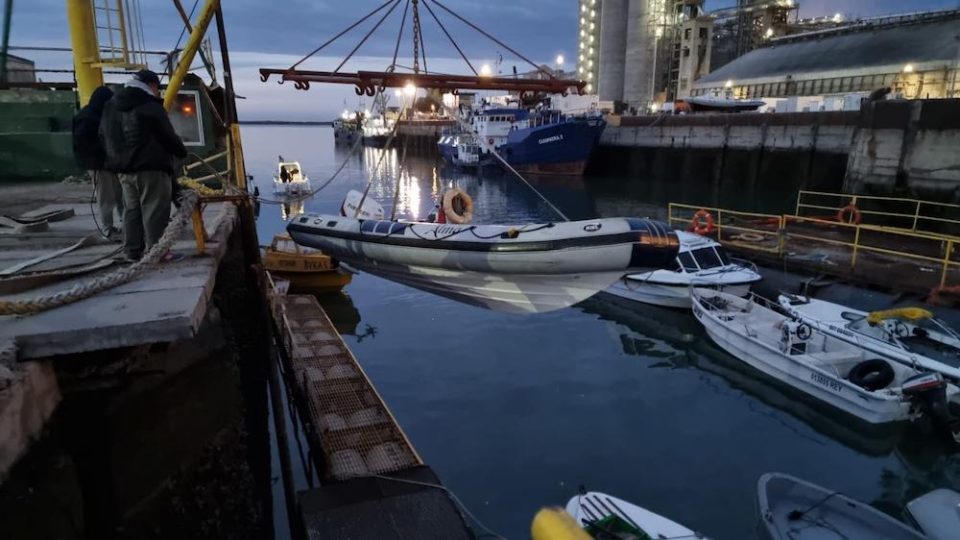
933	37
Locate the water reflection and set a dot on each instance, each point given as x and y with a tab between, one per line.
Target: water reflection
290	208
650	325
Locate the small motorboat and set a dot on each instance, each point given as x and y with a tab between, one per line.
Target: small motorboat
910	336
528	268
290	179
937	514
793	509
598	513
305	268
826	368
701	262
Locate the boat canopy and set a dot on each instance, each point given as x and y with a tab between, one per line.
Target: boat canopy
909	313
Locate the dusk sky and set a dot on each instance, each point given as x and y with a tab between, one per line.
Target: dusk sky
277	33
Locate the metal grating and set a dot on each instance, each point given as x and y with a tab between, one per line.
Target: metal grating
355	431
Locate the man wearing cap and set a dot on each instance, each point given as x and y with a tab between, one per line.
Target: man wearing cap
141	146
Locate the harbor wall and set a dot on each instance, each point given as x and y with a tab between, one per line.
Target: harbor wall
36	138
888	147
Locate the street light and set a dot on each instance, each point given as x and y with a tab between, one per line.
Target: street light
908	68
409	89
560	60
485	70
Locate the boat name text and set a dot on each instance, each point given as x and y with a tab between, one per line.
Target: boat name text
826	381
546	140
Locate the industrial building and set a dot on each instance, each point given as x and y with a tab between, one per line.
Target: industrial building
643	53
916	56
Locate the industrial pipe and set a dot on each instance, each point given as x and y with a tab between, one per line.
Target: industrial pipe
86	50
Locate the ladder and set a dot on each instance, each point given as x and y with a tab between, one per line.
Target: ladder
119	33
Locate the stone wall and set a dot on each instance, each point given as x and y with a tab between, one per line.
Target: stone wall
902	147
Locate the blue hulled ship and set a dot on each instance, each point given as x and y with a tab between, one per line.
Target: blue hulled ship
541	141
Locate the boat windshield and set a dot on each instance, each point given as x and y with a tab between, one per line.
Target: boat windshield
687	262
707	258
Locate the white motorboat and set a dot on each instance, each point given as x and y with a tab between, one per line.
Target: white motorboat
909	336
596	512
793	509
530	268
701	262
290	179
826	368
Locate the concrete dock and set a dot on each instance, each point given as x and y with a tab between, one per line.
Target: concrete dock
165	304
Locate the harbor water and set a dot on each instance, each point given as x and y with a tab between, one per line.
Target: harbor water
517	412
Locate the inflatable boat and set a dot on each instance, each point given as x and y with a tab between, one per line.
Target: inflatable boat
529	268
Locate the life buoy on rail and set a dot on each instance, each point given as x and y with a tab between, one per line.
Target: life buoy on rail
702	222
851	210
457	206
490	141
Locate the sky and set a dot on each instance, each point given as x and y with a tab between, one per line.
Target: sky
277	33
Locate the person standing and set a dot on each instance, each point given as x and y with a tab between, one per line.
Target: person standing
89	154
141	146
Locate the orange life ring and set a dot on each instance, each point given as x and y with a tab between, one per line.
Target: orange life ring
853	211
702	222
457	206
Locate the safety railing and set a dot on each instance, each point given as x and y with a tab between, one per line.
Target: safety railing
861	249
917	259
914	215
754	231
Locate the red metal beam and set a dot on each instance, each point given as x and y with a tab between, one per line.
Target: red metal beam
368	82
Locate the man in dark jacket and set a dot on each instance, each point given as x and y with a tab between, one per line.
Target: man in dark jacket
141	146
89	154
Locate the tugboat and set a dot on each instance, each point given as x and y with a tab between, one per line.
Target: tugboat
541	142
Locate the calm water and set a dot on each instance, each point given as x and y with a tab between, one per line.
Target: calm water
515	412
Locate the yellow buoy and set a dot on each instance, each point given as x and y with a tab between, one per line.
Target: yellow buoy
556	524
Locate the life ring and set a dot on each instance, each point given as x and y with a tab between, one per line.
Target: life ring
457	206
490	140
702	222
872	374
852	210
804	332
749	237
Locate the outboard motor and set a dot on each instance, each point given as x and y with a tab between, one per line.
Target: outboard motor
929	392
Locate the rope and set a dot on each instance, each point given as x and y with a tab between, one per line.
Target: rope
82	291
396	50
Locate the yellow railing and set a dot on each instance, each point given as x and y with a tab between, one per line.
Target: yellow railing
848	245
760	232
933	218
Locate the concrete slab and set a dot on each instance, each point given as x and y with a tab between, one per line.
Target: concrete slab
165	304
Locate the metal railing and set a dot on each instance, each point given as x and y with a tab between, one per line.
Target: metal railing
832	245
759	232
927	217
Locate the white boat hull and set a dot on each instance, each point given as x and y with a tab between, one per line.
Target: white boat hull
872	407
531	268
674	296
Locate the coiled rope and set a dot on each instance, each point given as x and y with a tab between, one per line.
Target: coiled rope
80	291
